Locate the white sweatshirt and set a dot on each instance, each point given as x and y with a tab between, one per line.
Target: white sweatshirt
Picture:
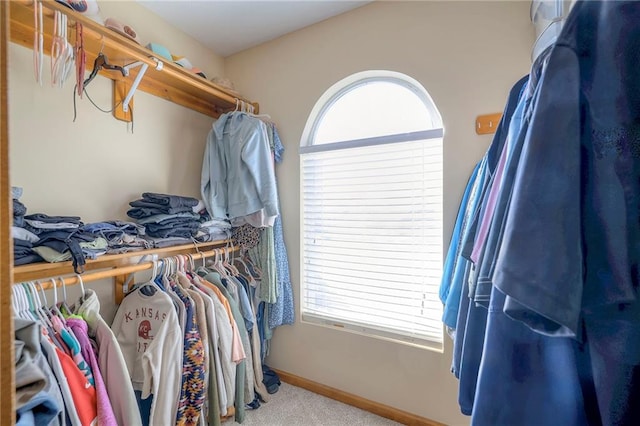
150	337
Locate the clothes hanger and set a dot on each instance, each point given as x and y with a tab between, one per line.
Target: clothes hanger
37	304
28	302
43	309
547	37
255	272
81	59
20	301
14	304
38	41
23	302
228	264
83	297
192	264
55	309
101	62
68	61
56	46
218	265
150	287
65	310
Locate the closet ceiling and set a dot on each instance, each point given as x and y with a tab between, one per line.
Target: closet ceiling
227	27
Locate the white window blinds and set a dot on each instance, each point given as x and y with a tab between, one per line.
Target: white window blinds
372	236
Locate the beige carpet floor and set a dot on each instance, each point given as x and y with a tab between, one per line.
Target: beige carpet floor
294	406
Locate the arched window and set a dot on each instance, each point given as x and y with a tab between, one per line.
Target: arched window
371	189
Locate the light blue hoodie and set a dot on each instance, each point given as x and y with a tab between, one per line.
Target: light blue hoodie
238	176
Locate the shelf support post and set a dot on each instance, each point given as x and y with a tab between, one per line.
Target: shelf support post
124	114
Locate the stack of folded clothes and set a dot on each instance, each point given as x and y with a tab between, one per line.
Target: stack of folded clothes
62	238
121	237
23	239
167	219
213	230
19	209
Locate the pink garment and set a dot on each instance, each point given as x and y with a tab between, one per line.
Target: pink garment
483	231
105	411
82	393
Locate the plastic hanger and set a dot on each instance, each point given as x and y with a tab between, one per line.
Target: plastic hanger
36	308
43	306
26	302
192	263
228	264
83	297
54	309
19	302
61	50
81	59
255	272
38	41
64	307
14	300
219	266
101	62
150	287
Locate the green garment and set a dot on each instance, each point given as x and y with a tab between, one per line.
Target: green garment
264	256
52	256
214	278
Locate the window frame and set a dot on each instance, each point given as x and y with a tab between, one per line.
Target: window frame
317	115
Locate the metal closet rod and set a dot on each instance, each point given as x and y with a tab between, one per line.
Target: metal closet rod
48	283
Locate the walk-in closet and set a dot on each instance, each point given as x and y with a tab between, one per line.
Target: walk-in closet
319	213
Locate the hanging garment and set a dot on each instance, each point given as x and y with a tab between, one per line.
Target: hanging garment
237	171
221	337
37	398
242	396
211	411
49	349
583	150
111	362
105	411
192	395
453	260
147	330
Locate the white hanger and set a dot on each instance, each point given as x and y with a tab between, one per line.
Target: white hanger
84	293
44	307
38	41
38	308
18	303
23	304
154	271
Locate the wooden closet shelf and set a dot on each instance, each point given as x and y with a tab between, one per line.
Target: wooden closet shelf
36	271
172	83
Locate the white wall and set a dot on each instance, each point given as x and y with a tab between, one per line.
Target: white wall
467	55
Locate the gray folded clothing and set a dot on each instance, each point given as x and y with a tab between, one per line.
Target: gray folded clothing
169	200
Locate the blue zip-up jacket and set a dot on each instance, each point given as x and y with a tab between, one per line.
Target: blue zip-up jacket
237	170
